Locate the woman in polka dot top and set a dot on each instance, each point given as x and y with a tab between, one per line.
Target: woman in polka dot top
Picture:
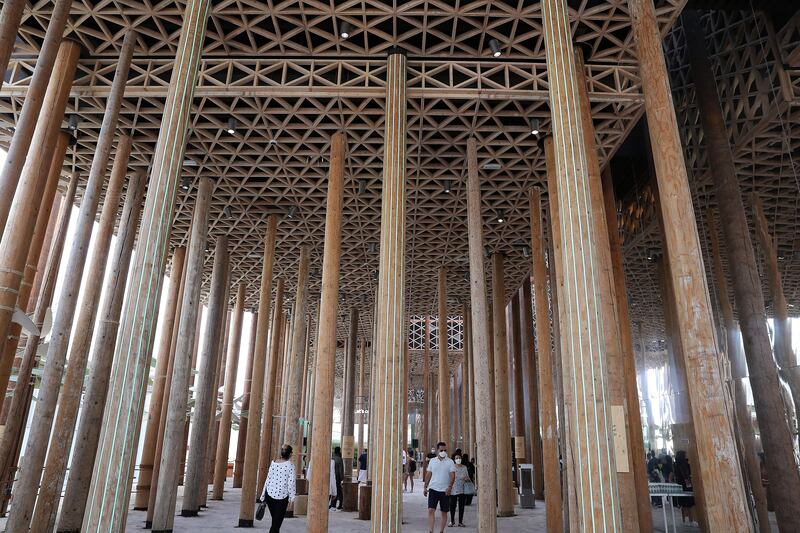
279	490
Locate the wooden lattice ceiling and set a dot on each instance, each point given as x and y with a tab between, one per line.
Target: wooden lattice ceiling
282	71
758	79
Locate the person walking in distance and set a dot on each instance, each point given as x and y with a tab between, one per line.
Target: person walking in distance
279	490
457	497
409	470
339	475
439	480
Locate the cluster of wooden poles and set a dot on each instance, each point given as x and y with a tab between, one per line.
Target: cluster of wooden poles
581	394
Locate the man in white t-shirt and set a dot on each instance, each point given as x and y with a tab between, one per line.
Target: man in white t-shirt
439	479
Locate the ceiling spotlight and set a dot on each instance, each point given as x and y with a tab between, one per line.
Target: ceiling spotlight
534	126
292	211
345	30
185	183
227	212
72	124
446	186
231	127
362	186
501	216
495	46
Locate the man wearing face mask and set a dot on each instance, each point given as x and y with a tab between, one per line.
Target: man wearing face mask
439	481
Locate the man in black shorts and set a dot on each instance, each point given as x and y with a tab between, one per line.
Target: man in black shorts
439	479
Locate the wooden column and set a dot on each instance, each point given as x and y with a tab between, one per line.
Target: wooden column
325	370
66	417
160	379
238	463
531	367
622	416
206	385
303	421
521	445
19	404
224	439
717	460
776	437
55	65
255	406
162	416
24	210
10	18
280	384
349	411
547	382
360	401
563	391
293	433
738	375
27	296
505	487
470	359
216	400
46	403
443	410
590	419
635	436
484	380
172	450
109	495
427	436
390	339
91	414
782	346
268	420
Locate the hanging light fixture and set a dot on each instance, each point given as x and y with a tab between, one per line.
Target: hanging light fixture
227	212
292	211
362	186
535	126
501	216
185	183
231	126
494	44
345	30
72	124
446	186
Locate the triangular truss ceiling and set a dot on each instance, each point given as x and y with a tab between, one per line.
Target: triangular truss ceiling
282	71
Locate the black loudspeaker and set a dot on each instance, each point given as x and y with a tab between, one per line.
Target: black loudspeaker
415	443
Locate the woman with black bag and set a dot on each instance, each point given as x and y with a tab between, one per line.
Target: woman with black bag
279	490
